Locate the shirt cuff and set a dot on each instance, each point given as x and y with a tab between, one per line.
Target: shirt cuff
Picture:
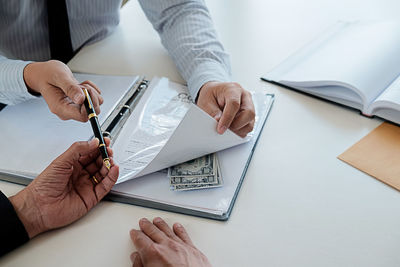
207	72
12	231
13	89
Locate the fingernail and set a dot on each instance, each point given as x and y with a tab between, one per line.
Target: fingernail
133	257
217	116
178	225
94	141
157	219
222	129
143	220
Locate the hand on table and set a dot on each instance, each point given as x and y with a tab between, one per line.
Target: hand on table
159	245
230	105
62	92
65	190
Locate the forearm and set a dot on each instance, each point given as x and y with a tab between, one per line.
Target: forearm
12	86
187	32
12	231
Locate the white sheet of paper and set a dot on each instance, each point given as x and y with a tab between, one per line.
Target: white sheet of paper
165	130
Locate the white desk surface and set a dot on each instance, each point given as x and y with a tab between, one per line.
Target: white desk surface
299	205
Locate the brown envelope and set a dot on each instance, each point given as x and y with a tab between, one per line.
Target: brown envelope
378	154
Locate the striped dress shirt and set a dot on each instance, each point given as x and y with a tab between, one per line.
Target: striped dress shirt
185	28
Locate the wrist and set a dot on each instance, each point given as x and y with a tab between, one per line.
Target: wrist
28	212
29	79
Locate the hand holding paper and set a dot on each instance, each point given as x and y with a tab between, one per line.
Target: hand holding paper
230	104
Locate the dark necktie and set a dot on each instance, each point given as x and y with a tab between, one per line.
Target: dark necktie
59	33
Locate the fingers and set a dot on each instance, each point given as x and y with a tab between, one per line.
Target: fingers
245	130
152	231
246	113
136	260
212	108
91	157
61	105
97	99
163	226
238	109
97	167
64	80
104	187
180	231
79	149
92	84
232	106
244	120
63	83
140	240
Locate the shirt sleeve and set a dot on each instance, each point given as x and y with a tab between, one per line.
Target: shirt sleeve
187	32
12	85
12	231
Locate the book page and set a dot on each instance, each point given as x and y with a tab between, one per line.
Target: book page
389	99
360	56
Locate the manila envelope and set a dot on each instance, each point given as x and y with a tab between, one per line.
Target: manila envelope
378	154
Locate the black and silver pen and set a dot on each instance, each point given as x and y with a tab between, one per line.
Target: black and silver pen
94	121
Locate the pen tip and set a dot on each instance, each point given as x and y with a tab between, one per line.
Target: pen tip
107	163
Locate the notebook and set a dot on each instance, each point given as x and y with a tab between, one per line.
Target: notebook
356	64
163	128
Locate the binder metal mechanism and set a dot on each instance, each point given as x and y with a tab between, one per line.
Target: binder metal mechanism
114	123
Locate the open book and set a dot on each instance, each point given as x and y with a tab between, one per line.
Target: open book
356	64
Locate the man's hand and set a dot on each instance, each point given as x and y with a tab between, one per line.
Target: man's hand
230	105
159	245
66	189
62	92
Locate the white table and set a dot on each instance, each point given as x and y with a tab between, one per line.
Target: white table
299	205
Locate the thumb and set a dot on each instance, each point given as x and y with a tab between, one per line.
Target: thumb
79	149
70	86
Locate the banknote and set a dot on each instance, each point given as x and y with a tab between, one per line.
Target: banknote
196	174
202	166
194	186
175	180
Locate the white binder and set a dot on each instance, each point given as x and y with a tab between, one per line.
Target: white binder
163	128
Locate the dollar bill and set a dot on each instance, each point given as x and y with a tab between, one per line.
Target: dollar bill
203	166
196	174
175	180
185	187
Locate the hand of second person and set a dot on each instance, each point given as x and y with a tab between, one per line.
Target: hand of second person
159	245
230	105
66	189
62	92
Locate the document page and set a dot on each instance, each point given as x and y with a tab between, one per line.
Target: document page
167	129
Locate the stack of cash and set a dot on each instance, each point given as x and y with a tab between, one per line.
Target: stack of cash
200	173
